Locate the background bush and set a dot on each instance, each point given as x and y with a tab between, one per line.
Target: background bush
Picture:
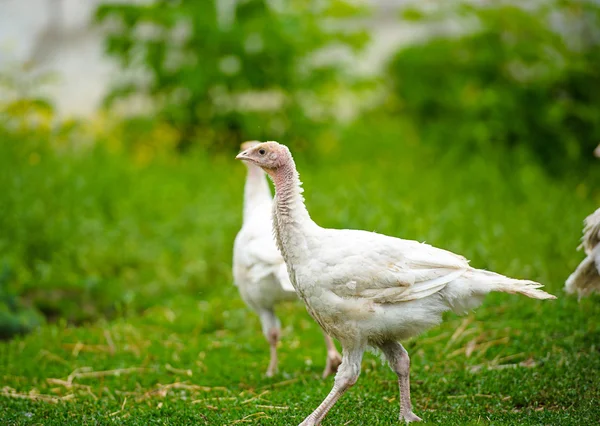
245	76
519	76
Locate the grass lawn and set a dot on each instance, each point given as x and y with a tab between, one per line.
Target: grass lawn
185	350
513	362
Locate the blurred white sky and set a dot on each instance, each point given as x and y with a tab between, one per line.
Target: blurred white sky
36	31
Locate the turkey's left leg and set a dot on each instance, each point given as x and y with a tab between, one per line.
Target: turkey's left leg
344	379
271	328
334	359
400	362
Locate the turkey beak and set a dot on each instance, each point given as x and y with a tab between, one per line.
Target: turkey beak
243	156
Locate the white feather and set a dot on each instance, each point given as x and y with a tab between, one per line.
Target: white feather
259	271
585	280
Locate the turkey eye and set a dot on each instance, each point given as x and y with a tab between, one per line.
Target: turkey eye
261	151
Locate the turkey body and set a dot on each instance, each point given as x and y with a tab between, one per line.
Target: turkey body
366	288
259	271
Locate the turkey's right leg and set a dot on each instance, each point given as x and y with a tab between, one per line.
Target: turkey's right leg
400	363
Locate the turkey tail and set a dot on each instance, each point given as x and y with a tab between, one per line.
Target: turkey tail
489	281
585	280
591	232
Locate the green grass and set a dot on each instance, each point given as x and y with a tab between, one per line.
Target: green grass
138	259
191	372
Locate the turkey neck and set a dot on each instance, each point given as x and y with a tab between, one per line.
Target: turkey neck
291	221
256	190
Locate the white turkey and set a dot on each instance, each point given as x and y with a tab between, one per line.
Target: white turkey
586	278
367	289
259	271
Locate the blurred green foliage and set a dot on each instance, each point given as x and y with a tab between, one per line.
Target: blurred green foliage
519	75
88	233
104	217
90	230
15	316
219	75
90	227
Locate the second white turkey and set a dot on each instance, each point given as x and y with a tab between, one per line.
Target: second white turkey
260	272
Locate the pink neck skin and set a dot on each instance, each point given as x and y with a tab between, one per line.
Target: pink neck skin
291	221
288	193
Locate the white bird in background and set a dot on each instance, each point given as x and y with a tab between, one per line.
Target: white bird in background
367	289
260	272
586	278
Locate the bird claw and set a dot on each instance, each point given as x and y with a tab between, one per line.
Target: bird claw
410	417
332	364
